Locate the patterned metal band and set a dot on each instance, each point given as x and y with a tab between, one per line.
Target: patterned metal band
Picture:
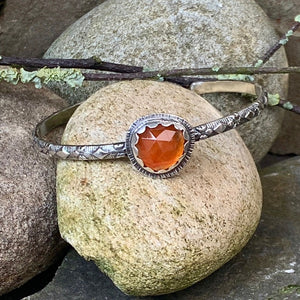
229	122
118	150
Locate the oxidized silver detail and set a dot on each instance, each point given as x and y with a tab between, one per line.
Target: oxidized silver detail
73	152
127	148
151	121
229	122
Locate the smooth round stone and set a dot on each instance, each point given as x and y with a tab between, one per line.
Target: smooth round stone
181	34
29	236
280	10
267	268
155	236
31	34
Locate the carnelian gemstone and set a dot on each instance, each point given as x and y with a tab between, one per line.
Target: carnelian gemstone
160	147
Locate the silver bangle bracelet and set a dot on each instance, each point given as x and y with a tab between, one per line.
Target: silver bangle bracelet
177	132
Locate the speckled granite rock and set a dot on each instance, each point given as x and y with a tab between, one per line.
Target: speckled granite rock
31	32
180	34
29	237
274	252
282	13
155	236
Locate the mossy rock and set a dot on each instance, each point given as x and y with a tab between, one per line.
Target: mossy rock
155	236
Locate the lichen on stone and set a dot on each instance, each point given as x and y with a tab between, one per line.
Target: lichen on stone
160	78
259	63
289	33
72	77
284	41
26	76
297	18
9	75
273	99
215	68
288	105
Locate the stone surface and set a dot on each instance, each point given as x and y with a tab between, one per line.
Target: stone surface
267	268
180	34
29	237
31	32
282	13
2	2
155	236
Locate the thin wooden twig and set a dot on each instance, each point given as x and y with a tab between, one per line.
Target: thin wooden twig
92	63
282	41
289	106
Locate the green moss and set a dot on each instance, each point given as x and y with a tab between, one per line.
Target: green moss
176	211
97	59
290	289
106	267
286	292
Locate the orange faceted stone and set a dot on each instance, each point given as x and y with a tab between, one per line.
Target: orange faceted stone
160	147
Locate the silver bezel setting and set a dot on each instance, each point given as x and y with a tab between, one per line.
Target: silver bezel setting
151	121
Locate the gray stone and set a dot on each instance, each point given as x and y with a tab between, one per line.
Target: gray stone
267	268
31	32
282	13
29	237
180	34
77	278
155	236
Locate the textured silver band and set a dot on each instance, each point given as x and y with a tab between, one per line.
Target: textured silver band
118	150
